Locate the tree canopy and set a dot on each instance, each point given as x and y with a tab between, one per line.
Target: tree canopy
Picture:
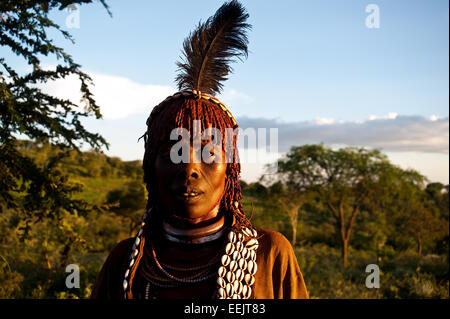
27	112
347	180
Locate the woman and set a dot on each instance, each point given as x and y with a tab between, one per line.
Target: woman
195	240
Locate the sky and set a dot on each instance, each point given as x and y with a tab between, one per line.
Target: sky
316	70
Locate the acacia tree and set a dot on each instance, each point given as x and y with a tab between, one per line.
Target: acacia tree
290	201
345	179
39	191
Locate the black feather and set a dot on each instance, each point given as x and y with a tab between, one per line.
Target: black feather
209	49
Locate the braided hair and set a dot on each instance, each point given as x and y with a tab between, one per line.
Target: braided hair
179	111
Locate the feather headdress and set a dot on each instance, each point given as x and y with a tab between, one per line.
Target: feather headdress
207	53
209	49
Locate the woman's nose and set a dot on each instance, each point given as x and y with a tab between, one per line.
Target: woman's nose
192	168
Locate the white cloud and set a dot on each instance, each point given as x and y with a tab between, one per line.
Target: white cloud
434	118
117	96
419	142
324	121
389	116
233	96
389	133
120	97
413	142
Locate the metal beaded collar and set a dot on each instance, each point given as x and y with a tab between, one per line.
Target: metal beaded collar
235	276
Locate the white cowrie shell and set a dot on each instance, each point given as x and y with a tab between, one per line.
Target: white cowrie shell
138	240
139	233
229	248
239	246
246	292
230	277
131	262
245	253
242	263
226	260
135	253
222	293
251	244
253	255
247	231
255	233
239	275
232	237
240	237
235	296
221	282
229	289
235	255
237	287
233	265
127	272
249	279
125	285
222	271
252	267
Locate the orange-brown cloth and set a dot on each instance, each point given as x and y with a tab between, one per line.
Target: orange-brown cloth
278	275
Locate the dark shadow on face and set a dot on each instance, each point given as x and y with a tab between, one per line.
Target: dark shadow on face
191	191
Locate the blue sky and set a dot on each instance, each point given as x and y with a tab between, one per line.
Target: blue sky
313	67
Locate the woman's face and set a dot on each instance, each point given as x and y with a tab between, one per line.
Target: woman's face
190	190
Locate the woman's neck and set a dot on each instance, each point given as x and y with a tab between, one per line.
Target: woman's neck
180	231
198	222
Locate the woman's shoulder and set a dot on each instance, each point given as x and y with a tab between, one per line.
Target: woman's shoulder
273	241
121	250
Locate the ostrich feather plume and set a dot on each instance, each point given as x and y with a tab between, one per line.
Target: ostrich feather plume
209	49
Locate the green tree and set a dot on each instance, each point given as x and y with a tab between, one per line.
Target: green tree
290	201
39	190
345	179
424	217
130	201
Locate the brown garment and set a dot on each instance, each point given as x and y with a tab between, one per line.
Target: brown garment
278	275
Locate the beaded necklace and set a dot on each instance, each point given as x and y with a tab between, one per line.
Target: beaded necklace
235	276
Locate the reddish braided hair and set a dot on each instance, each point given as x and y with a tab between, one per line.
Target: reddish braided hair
180	111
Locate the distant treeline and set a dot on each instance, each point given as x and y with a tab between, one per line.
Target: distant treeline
341	209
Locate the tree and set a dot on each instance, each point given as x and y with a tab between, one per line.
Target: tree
289	200
437	195
130	200
424	215
39	190
344	179
423	226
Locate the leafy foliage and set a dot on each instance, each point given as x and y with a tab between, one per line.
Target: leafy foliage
39	190
33	266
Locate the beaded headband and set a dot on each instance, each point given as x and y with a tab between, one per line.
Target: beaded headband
191	94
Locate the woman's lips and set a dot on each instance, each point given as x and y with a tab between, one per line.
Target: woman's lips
189	196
